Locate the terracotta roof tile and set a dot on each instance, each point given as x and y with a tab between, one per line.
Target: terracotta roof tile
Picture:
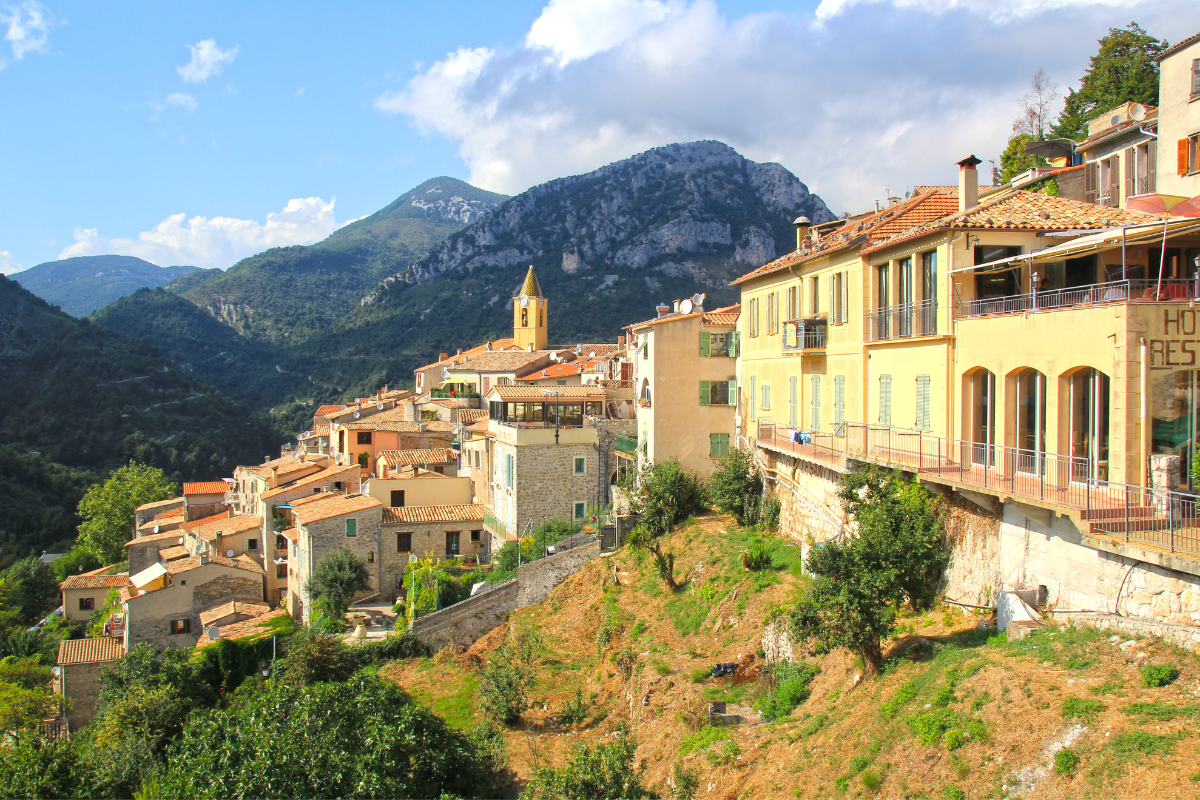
250	608
193	562
722	316
89	651
172	553
206	487
333	505
577	367
227	526
415	514
256	628
174	501
469	415
173	535
317	430
95	581
449	402
589	392
496	345
399	458
508	361
329	473
328	409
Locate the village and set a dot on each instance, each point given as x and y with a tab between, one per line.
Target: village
1028	349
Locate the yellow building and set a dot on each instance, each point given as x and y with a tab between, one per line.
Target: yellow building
529	315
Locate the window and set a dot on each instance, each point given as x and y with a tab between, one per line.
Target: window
752	318
580	466
996	283
793	307
404	542
281	543
87	603
363	460
281	570
179	626
364	437
770	316
1195	79
929	275
508	470
1186	154
838	296
839	399
885	399
753	395
1139	169
717	393
476	536
477	461
398	498
452	542
715	344
561	383
371	557
351	528
816	402
580	510
337	486
251	544
766	397
793	409
814	296
922	402
718	445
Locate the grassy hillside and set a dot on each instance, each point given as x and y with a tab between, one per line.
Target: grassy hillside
81	285
959	713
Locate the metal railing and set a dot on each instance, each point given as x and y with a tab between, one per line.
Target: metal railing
615	384
625	444
494	525
1133	290
901	321
585	423
441	394
804	334
1157	517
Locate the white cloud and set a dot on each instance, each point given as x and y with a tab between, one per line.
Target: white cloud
182	100
886	93
207	60
996	10
28	28
8	264
216	242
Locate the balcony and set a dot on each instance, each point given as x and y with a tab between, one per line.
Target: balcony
494	525
625	444
443	394
806	336
1141	290
901	321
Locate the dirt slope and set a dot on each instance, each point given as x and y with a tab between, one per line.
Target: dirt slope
954	715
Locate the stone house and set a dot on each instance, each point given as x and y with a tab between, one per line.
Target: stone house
322	525
83	594
163	603
80	662
251	481
206	498
146	550
231	612
443	532
144	513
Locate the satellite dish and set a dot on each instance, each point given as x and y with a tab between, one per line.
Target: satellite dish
356	415
698	300
379	406
1137	112
229	554
214	633
1116	119
156	529
685	307
179	540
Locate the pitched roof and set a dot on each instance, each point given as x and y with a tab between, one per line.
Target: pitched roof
328	409
307	480
530	287
584	392
722	316
589	350
506	361
1175	48
411	472
480	427
172	501
156	537
333	505
283	466
470	512
383	421
317	430
458	358
448	402
576	367
256	628
172	553
251	608
206	487
399	458
193	562
469	415
89	581
227	526
89	651
1021	210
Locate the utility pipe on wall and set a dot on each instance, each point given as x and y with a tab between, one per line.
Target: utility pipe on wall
1144	386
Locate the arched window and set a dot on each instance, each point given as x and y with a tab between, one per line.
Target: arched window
1030	388
981	421
644	395
1087	423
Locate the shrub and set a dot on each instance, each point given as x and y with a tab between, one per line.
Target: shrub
1155	675
953	739
727	754
702	739
1066	761
336	578
606	770
758	556
574	710
504	682
871	780
313	658
1081	708
665	495
792	682
700	674
664	563
390	648
684	784
736	485
952	792
943	696
904	694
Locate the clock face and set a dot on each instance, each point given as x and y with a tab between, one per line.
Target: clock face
524	301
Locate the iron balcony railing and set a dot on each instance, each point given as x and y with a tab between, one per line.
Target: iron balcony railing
442	394
902	321
1157	517
804	334
1134	290
495	525
587	422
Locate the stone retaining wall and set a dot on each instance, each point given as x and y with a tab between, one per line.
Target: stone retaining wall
1185	636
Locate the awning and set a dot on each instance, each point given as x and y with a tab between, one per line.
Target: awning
1108	239
149	574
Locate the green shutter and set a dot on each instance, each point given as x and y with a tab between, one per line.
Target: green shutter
793	410
705	392
816	402
718	445
839	398
766	397
351	528
734	343
843	312
705	343
923	402
733	392
885	399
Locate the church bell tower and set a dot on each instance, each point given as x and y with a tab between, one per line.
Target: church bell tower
529	315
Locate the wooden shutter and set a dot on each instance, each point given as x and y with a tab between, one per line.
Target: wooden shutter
766	396
753	399
885	399
1181	157
705	344
733	392
1091	175
832	298
1114	180
735	340
843	312
793	410
839	398
923	402
1130	172
1196	76
705	392
816	402
1151	166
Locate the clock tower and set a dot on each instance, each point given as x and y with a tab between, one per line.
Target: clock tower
529	315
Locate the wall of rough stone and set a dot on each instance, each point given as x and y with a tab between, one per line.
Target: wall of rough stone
538	578
810	510
466	622
224	588
325	537
1185	636
545	486
79	685
427	537
973	572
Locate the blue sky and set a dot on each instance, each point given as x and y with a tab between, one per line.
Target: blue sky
121	124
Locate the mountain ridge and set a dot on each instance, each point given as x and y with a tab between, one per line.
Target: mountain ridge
83	284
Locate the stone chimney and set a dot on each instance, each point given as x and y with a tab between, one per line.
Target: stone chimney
802	225
676	306
443	356
620	342
663	309
968	183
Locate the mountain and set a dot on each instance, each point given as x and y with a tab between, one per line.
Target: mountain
287	293
88	399
607	247
83	284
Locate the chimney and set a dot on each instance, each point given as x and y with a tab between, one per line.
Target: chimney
620	342
203	559
968	183
443	356
663	309
531	347
676	306
459	353
488	347
802	225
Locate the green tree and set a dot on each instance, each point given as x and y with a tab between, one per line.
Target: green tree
34	591
336	578
1124	69
107	509
505	681
312	658
359	738
736	486
22	709
37	767
664	494
1014	160
606	771
894	554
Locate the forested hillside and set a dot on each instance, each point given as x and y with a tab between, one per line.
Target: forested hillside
83	284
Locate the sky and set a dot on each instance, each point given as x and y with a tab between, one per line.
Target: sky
204	133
